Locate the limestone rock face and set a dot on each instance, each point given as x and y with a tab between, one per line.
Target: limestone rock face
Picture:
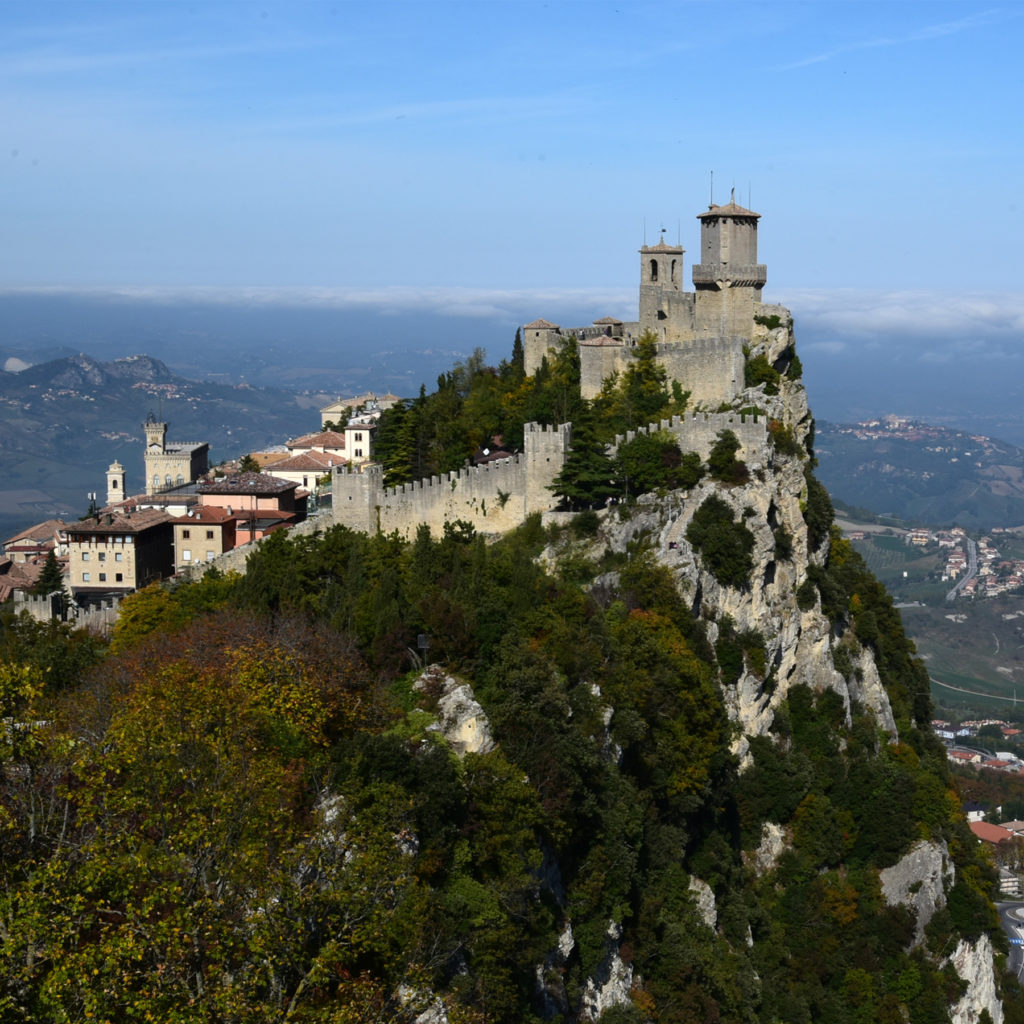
920	880
973	962
460	719
611	983
704	897
800	644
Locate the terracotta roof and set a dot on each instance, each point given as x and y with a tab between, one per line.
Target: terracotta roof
247	483
608	320
212	514
323	439
540	325
121	522
311	460
39	532
731	209
990	833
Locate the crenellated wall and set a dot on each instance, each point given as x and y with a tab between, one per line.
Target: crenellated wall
697	432
500	495
494	497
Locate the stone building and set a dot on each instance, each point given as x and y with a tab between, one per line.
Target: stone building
700	334
120	550
170	463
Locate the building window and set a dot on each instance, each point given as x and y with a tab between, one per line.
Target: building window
118	557
85	577
118	577
181	479
654	270
186	533
102	556
156	481
85	556
209	534
359	453
359	436
103	577
186	555
211	555
167	479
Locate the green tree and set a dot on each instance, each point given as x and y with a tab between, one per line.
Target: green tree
51	579
248	464
722	461
725	546
586	478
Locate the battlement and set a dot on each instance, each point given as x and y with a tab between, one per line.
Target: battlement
698	432
494	497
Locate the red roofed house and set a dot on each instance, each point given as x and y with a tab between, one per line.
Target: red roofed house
988	833
37	541
258	503
202	534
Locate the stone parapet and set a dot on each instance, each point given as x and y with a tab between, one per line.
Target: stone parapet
749	275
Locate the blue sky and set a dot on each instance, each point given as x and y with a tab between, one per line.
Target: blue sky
480	157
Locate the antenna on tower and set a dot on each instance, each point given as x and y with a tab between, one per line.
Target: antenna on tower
711	198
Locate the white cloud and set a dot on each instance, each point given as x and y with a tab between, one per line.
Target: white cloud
962	323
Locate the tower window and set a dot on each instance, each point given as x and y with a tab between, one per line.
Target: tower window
654	270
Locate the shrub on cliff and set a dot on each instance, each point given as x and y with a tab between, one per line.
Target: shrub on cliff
725	546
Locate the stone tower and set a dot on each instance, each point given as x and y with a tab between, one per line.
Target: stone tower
728	279
665	309
115	483
156	435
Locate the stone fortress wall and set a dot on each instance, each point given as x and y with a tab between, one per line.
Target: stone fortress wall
701	338
700	334
498	496
494	497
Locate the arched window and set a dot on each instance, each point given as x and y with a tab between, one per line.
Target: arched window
167	479
673	271
181	479
654	270
156	481
113	485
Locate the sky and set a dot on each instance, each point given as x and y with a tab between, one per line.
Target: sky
490	157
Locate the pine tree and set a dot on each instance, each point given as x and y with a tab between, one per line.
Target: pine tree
51	579
587	478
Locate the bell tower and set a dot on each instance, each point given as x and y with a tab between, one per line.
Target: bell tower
115	483
661	286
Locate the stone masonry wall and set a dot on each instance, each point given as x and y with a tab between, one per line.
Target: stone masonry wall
495	497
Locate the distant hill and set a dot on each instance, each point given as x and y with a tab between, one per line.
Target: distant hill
64	421
922	473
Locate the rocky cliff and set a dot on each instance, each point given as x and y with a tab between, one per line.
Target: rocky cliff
798	633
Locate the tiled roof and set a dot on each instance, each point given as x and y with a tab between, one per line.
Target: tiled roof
540	325
990	833
323	439
247	483
121	522
608	320
39	532
731	209
212	514
663	246
312	460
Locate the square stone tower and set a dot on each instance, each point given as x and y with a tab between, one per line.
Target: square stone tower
728	279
